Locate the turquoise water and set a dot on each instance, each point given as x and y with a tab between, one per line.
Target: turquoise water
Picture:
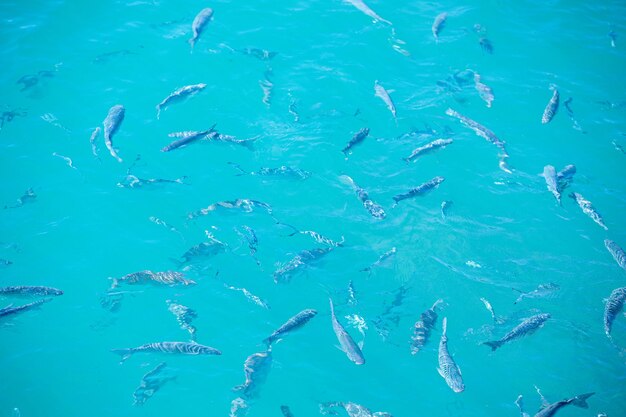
503	230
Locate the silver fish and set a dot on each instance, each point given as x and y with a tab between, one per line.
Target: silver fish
350	348
445	206
528	326
184	316
92	141
243	204
250	236
238	407
188	137
419	190
267	86
201	251
184	348
489	307
10	310
448	369
551	409
256	368
302	259
151	383
143	277
552	107
380	260
373	208
352	409
178	95
588	209
293	323
112	123
565	177
379	91
549	173
29	290
618	253
542	290
423	327
316	236
198	25
614	304
485	92
282	171
439	24
359	4
434	145
255	299
519	402
613	38
356	139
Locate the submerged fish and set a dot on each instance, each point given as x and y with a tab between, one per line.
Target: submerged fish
614	304
432	146
485	92
4	263
565	177
588	209
280	172
10	310
260	54
243	204
144	277
352	409
250	236
348	345
552	107
132	181
419	190
202	251
356	139
293	323
390	315
199	23
29	290
528	326
448	369
374	209
286	411
316	236
359	4
485	45
489	307
112	123
549	410
183	348
151	383
542	290
380	260
256	368
188	137
179	95
379	91
549	173
618	253
439	24
29	196
570	114
92	141
445	206
302	259
184	316
423	327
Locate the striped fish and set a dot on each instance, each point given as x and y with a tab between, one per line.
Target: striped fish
286	411
373	208
29	290
184	316
552	107
92	141
178	95
432	146
549	410
419	190
614	304
348	345
588	209
364	8
356	139
302	259
448	369
422	328
143	277
484	91
293	323
199	23
618	253
187	137
528	326
10	310
183	348
243	204
380	260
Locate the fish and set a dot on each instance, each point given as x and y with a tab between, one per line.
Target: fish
67	160
243	204
10	310
484	91
448	369
5	263
549	173
151	382
30	290
390	316
132	181
267	86
352	300
280	172
380	260
489	307
613	38
8	116
419	190
618	147
199	23
486	45
356	139
92	141
238	407
439	24
112	123
184	316
29	196
348	346
432	146
184	348
256	368
352	409
549	410
202	250
565	177
519	402
303	258
179	95
359	4
589	210
570	114
250	236
255	299
146	276
527	326
379	91
373	208
286	411
293	110
260	54
294	323
542	290
618	253
188	137
423	327
160	222
316	236
552	107
614	304
445	206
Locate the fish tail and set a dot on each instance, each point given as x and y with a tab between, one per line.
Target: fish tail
444	325
158	112
192	42
332	307
493	345
580	400
124	353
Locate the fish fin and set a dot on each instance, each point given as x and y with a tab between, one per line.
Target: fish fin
332	308
493	345
544	402
444	325
360	344
440	372
124	353
580	400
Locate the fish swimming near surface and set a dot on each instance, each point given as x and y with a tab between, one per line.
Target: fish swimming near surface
445	207
302	259
183	348
549	173
429	147
570	114
260	54
552	107
112	123
423	327
489	307
379	91
187	137
184	316
179	95
29	196
30	290
352	409
485	44
373	208
448	369
280	172
419	190
614	304
484	91
380	260
549	410
254	298
359	4
256	368
439	24
618	253
292	324
151	383
149	277
286	411
250	236
390	315
92	141
588	209
132	181
243	204
198	25
348	345
10	310
565	177
356	139
543	290
528	326
202	251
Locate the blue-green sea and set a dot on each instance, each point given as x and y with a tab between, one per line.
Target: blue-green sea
295	81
